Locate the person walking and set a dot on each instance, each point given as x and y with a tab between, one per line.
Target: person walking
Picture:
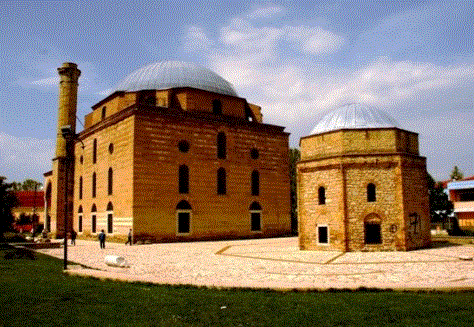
73	237
129	239
102	239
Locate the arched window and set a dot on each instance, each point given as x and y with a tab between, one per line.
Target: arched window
183	205
94	184
183	179
217	107
94	219
183	215
255	217
110	181
221	146
110	218
104	112
80	188
322	195
371	193
79	219
255	183
94	151
221	181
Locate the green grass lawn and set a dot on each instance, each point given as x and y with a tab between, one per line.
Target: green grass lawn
37	293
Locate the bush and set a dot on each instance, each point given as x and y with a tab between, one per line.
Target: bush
13	237
19	254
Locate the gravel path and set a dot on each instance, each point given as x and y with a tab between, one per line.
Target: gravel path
275	263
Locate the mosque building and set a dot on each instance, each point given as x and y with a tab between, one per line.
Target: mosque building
172	154
362	184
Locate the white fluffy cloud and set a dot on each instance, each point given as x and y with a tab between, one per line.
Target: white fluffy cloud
40	70
289	71
25	156
196	40
265	12
314	40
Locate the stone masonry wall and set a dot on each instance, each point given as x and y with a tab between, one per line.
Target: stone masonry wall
157	160
345	162
120	135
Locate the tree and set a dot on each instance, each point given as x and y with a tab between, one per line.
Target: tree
440	206
16	186
7	202
30	185
294	158
456	174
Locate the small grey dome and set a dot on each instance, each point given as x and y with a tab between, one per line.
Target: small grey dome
353	116
170	74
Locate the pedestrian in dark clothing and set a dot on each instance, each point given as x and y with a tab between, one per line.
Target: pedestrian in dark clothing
73	237
102	239
129	240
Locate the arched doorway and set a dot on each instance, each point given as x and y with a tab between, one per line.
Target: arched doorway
372	229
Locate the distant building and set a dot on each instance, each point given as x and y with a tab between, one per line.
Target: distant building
31	206
362	185
461	193
174	154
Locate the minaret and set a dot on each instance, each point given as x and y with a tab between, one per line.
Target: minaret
63	161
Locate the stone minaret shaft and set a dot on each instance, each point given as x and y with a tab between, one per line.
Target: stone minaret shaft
63	162
68	83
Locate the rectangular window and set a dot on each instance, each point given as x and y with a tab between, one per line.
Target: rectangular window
94	224
323	237
183	222
94	151
79	222
255	224
110	227
80	188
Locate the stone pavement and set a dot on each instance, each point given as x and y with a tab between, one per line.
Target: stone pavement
275	263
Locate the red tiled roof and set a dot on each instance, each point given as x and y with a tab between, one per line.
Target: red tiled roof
445	183
30	198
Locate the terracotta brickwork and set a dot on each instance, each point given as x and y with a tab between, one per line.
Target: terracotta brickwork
145	163
148	161
344	163
182	99
157	161
118	136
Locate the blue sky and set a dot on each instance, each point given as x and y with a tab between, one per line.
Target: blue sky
413	59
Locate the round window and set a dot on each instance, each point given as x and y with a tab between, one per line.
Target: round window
254	153
183	146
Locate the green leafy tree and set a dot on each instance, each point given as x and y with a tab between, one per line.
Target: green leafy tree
30	185
456	174
7	202
294	158
16	186
440	206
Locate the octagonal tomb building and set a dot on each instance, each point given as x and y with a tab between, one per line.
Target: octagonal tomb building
362	184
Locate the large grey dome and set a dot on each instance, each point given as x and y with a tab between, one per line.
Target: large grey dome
353	116
169	74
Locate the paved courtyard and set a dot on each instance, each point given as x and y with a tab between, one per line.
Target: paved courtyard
275	263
